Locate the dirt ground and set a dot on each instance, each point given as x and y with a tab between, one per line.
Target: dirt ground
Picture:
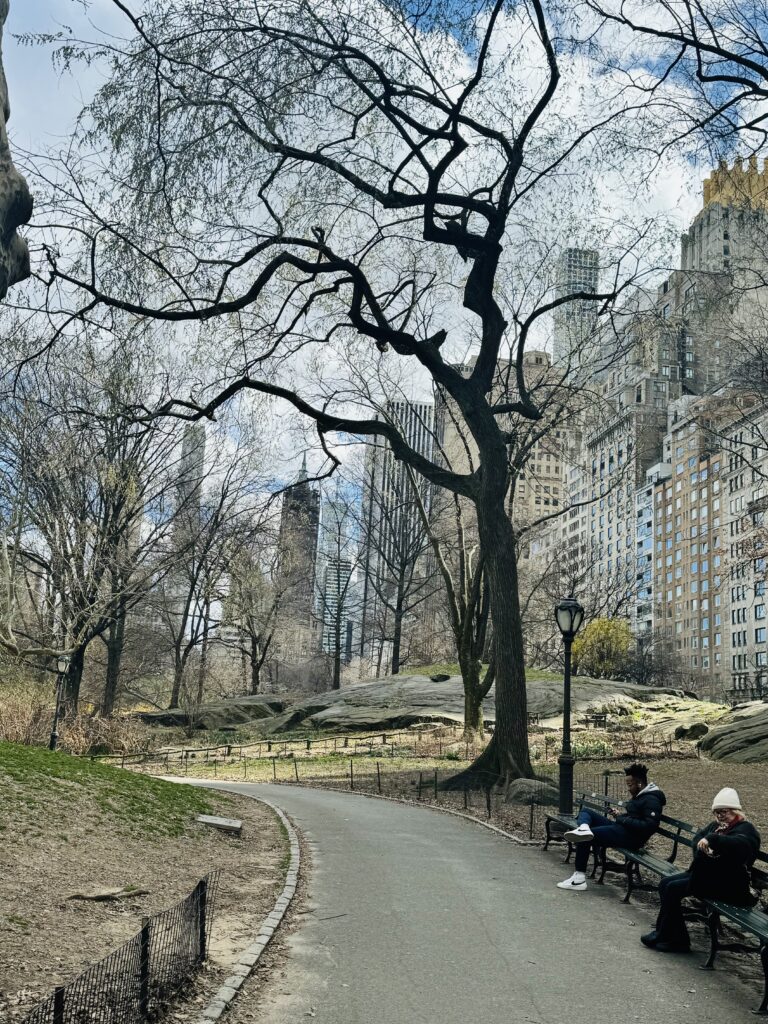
46	939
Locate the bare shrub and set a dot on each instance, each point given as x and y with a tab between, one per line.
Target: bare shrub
26	708
88	734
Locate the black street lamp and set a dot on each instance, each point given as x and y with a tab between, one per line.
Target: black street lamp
62	664
569	616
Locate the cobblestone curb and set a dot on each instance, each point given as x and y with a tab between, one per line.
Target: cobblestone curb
251	954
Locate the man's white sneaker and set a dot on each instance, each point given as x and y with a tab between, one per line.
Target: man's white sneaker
580	834
576	883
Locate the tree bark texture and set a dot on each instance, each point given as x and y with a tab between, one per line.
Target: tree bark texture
115	645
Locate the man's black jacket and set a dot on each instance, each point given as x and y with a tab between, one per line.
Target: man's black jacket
642	813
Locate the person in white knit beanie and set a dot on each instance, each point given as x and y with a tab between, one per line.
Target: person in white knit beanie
723	853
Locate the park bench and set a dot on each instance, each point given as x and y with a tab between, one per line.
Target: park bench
596	721
533	718
752	921
555	825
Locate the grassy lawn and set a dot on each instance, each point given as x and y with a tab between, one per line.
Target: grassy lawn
41	786
452	669
325	766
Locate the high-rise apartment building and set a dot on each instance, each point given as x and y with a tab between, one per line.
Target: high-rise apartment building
648	532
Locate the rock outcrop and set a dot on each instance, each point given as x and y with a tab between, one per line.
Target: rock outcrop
15	200
741	736
406	700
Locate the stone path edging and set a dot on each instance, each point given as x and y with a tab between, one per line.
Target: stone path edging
249	957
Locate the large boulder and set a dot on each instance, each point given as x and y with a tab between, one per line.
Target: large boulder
15	200
741	736
532	791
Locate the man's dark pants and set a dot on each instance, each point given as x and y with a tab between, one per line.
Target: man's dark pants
606	833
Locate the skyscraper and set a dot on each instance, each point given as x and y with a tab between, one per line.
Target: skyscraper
337	590
394	539
297	553
574	322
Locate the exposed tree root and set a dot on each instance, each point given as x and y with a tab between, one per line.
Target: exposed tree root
489	769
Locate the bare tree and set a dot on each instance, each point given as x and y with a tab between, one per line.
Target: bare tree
399	575
223	497
353	180
88	500
253	603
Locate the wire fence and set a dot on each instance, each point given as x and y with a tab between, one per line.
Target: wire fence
135	983
390	739
425	741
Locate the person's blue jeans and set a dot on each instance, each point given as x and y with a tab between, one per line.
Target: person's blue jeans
606	833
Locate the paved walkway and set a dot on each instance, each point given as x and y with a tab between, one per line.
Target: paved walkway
422	918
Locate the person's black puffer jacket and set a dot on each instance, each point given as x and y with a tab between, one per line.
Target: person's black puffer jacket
725	874
642	813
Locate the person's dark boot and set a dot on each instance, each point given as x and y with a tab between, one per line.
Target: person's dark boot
673	947
650	939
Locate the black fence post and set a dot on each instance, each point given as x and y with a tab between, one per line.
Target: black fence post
274	768
420	783
58	1005
296	768
351	775
378	775
605	782
435	783
144	968
488	800
202	886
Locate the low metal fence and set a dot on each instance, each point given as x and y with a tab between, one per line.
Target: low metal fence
135	983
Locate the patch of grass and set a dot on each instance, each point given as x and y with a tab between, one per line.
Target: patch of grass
452	669
40	785
322	766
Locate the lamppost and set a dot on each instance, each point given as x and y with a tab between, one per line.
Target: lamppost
569	616
62	664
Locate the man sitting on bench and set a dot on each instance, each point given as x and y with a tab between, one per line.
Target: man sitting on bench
632	829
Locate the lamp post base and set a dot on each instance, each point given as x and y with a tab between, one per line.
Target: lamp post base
566	762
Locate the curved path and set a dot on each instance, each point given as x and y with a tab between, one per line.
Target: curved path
418	917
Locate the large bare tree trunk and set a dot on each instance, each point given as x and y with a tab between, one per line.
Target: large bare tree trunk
115	644
506	756
204	650
178	677
397	635
72	681
255	660
473	697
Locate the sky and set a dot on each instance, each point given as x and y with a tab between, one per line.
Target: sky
44	104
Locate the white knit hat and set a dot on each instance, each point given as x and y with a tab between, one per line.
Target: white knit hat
727	798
